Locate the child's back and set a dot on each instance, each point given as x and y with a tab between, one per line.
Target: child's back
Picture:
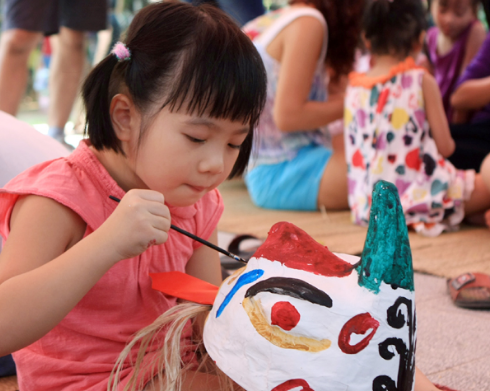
388	137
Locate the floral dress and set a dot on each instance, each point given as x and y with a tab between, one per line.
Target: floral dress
387	137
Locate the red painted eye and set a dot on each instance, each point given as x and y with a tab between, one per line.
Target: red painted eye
284	315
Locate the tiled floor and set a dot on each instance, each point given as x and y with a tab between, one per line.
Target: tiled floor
453	346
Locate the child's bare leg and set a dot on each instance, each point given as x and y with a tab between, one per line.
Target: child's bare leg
479	201
333	185
487	218
422	383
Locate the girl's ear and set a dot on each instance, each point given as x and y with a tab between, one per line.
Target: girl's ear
125	117
366	42
418	45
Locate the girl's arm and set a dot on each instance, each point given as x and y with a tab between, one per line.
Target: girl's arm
422	383
301	47
45	269
436	116
473	44
472	94
205	264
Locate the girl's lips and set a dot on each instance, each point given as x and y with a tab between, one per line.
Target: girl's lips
197	189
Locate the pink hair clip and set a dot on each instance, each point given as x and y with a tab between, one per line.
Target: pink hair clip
121	51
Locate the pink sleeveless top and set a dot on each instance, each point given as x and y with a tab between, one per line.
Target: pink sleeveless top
80	352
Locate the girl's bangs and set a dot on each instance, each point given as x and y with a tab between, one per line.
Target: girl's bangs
221	76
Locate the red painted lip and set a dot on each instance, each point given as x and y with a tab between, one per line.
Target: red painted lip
293	383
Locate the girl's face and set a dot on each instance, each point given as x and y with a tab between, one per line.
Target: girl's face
452	16
185	156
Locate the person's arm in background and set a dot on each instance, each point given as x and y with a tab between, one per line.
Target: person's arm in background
436	116
301	47
473	44
472	91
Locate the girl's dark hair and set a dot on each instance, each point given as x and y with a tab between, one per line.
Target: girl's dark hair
393	26
182	56
344	30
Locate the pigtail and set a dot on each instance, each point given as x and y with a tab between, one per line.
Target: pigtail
167	367
96	93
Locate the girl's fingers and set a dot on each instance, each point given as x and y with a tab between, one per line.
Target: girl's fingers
149	195
160	223
158	209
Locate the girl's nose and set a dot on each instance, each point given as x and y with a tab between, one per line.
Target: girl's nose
447	19
213	164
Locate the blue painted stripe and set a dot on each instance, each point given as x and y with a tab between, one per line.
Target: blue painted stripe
244	279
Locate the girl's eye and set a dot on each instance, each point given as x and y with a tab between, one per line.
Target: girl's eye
234	146
195	140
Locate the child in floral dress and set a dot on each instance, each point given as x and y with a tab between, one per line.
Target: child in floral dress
396	129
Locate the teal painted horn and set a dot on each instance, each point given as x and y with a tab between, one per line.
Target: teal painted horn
386	256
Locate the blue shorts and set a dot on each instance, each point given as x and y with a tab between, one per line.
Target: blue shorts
290	185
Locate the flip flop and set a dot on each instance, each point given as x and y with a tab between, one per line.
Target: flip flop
470	290
236	247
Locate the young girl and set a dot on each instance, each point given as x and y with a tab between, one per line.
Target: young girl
295	164
472	96
396	130
452	44
169	117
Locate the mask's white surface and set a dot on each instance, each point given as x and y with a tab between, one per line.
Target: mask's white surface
256	363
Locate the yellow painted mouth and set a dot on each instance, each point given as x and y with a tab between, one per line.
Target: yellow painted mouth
276	335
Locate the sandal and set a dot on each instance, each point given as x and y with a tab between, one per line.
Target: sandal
470	290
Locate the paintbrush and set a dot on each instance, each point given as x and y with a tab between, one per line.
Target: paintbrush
198	239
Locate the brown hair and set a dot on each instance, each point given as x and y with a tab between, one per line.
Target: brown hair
344	28
181	56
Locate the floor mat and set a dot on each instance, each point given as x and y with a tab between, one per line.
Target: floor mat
448	255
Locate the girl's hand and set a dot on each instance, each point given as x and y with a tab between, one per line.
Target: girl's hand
140	221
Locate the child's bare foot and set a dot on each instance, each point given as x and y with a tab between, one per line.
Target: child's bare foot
477	219
487	218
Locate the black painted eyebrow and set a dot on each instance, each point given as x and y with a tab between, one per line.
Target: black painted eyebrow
291	287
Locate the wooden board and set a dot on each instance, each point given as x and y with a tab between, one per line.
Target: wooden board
448	255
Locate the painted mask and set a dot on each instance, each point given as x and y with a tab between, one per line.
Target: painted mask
300	317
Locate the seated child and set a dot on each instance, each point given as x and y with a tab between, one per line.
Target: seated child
301	317
296	164
453	43
396	130
472	96
170	116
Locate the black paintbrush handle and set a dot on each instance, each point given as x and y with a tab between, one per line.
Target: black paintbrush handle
198	239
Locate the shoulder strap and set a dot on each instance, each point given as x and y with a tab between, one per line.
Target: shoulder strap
289	16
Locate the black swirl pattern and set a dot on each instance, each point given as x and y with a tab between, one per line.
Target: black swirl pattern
406	368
